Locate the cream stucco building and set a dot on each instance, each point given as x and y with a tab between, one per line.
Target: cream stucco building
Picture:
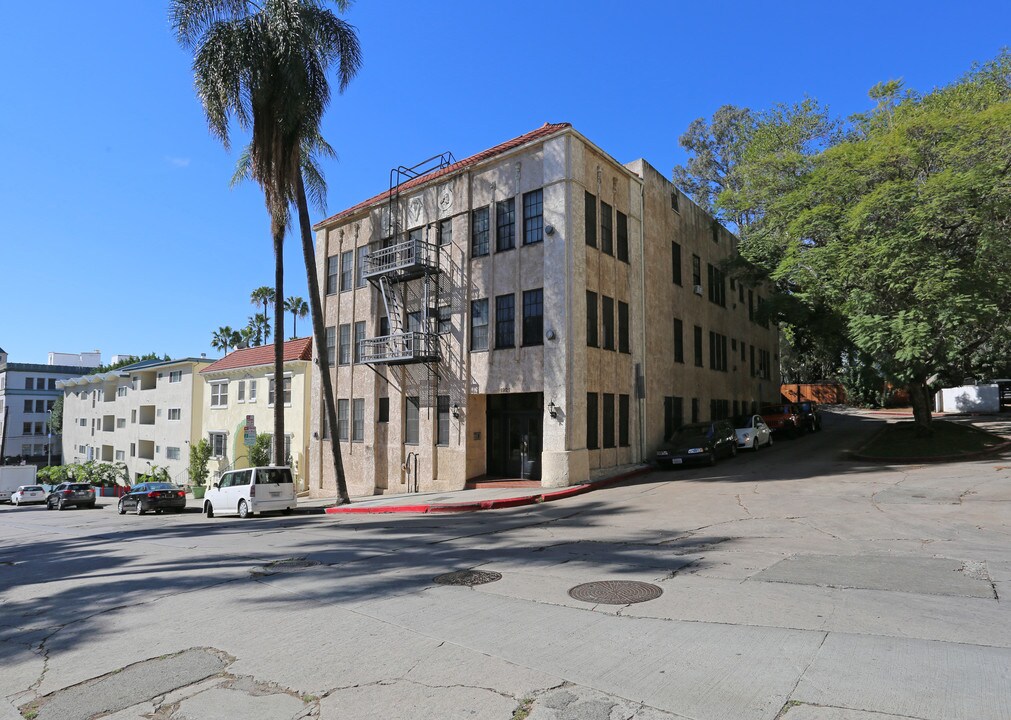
537	310
241	385
142	415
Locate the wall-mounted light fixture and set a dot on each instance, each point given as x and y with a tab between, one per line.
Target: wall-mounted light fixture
456	412
552	409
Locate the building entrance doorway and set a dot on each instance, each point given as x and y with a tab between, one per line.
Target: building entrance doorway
515	428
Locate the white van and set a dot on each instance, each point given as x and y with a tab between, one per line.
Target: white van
249	491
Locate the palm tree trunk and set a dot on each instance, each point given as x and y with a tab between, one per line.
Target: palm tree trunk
278	227
319	334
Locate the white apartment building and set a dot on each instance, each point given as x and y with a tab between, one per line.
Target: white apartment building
143	415
537	311
28	392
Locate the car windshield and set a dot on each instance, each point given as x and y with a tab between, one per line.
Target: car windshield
273	475
777	410
161	486
698	431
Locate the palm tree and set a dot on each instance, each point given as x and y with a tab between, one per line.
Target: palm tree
265	65
246	336
223	338
263	295
259	327
298	309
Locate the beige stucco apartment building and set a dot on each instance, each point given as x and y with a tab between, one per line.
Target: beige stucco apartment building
537	310
142	415
241	385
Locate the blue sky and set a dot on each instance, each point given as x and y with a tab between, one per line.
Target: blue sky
120	231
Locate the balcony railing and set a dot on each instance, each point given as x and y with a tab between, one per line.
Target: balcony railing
403	261
400	349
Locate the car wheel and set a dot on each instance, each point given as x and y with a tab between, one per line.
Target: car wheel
49	505
91	506
733	450
769	444
140	508
157	511
208	510
121	507
243	509
755	445
60	505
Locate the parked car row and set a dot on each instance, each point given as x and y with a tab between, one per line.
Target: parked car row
237	492
706	442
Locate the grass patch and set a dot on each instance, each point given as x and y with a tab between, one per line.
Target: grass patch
901	440
521	712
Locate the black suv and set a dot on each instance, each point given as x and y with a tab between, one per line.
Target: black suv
698	442
66	495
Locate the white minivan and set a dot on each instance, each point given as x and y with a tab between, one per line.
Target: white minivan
249	491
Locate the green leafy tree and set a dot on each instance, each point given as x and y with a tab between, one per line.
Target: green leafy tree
298	308
903	227
265	65
56	417
200	455
224	338
259	328
259	452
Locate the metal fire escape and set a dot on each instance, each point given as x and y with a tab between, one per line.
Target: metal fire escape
403	257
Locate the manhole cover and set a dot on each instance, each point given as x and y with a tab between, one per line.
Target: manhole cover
285	566
469	578
615	592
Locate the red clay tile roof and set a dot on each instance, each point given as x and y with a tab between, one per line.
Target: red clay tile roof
297	349
541	132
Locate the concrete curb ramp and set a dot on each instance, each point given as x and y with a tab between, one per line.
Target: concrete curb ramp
497	504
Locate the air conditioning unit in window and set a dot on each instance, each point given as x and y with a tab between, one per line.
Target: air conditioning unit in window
698	289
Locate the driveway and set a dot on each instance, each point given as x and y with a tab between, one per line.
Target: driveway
793	584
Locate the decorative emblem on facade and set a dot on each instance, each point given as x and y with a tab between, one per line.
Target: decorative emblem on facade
415	211
446	199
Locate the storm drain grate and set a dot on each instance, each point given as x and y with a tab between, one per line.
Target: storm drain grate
615	592
468	578
288	565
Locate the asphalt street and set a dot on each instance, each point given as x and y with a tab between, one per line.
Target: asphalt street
794	583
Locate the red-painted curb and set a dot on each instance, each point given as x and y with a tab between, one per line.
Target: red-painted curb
498	504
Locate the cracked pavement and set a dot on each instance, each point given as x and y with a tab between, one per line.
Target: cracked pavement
796	585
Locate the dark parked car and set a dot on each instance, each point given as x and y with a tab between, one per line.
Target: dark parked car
810	416
783	419
699	442
155	496
67	495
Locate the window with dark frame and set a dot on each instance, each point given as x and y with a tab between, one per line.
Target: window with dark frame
675	201
384	326
607	322
360	281
698	346
479	232
331	346
606	230
696	408
342	419
347	269
359	338
590	217
446	231
623	330
533	317
607	412
623	419
592	433
442	424
505	225
383	411
479	324
591	319
622	231
344	345
444	319
679	341
358	420
505	321
673	415
332	272
717	285
533	217
696	271
675	260
412	418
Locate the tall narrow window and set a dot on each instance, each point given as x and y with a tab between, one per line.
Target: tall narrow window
331	346
442	427
344	345
332	271
412	416
479	324
446	232
698	347
505	225
623	339
533	317
679	341
607	322
623	412
359	338
590	218
360	266
592	433
608	420
673	415
591	319
606	231
347	260
358	420
622	236
533	217
342	419
505	321
383	410
696	271
444	319
695	410
479	232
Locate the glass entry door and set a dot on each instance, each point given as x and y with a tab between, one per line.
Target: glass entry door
514	436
